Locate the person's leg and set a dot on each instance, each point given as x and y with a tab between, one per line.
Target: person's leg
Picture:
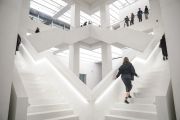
127	90
164	53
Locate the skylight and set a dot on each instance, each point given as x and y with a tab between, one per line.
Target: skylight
115	8
66	17
84	17
95	18
49	7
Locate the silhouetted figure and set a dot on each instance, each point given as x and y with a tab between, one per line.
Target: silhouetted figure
132	19
139	15
37	30
146	12
163	46
18	43
127	73
126	19
85	23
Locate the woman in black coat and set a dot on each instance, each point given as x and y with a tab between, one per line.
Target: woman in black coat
127	73
163	46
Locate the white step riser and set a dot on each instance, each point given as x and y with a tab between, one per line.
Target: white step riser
135	114
144	95
43	108
142	100
148	108
49	115
113	118
45	102
70	118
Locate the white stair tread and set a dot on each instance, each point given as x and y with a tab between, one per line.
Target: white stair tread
133	110
49	112
123	117
59	118
39	105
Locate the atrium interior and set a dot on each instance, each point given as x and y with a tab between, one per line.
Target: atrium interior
60	58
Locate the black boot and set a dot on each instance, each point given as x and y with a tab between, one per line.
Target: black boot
164	58
126	101
129	96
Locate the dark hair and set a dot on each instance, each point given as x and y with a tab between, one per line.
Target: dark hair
126	60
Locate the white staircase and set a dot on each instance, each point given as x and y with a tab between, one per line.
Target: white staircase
142	105
45	100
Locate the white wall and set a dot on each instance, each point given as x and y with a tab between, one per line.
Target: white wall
170	16
93	73
92	70
9	12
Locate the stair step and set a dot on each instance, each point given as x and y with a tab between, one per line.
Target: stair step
70	117
49	114
44	101
134	113
147	100
114	117
146	94
139	107
47	107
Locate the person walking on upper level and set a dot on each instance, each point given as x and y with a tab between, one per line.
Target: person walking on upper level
132	19
139	15
163	46
37	30
18	43
127	73
126	19
146	12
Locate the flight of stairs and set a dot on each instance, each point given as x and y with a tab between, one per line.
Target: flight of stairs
142	105
45	100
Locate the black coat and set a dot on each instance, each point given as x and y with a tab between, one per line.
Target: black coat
163	46
127	71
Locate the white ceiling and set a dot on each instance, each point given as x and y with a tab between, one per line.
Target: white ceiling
89	1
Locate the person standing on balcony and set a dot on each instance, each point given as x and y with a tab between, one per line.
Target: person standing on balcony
127	73
126	19
132	19
163	46
139	15
146	12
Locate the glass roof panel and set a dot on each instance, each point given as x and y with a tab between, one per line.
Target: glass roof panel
42	9
49	7
66	17
46	4
115	7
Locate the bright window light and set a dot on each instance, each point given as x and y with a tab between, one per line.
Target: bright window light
116	52
53	49
66	17
95	18
84	17
93	56
115	7
28	34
